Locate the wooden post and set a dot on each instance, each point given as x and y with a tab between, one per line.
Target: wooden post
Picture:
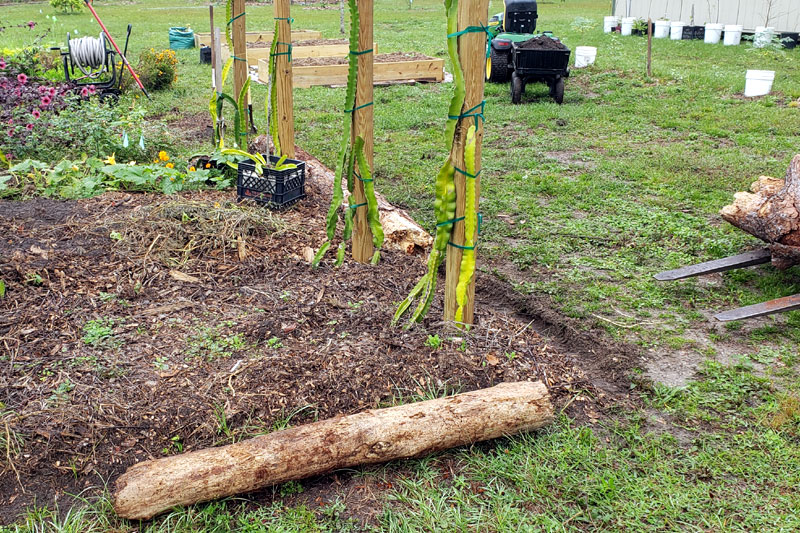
239	36
472	53
217	54
363	127
283	79
213	45
649	48
370	437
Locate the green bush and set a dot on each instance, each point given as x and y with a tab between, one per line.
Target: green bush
67	5
158	69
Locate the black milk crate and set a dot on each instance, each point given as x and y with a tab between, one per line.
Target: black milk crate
277	189
537	61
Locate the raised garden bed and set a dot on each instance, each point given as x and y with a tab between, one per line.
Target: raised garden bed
260	36
300	49
397	66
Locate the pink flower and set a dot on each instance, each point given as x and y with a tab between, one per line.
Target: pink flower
10	133
29	127
36	113
2	64
92	90
22	78
84	92
52	91
31	24
10	121
46	100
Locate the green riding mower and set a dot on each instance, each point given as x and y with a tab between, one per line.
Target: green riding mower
515	52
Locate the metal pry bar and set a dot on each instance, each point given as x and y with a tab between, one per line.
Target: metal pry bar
756	257
779	305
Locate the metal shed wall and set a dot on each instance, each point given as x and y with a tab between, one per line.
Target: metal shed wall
784	15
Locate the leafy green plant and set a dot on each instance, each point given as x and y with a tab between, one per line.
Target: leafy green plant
2	289
99	332
210	343
67	5
349	155
433	341
158	69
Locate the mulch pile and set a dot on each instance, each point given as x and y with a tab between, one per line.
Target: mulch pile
219	329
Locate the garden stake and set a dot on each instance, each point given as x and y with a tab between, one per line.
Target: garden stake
111	40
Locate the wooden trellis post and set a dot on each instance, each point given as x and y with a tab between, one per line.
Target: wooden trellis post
472	53
283	78
363	127
239	36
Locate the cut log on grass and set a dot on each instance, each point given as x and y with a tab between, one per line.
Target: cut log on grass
374	436
400	230
771	212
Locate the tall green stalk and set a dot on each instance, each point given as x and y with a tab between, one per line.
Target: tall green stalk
348	157
445	202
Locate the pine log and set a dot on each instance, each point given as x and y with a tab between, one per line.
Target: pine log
771	212
151	487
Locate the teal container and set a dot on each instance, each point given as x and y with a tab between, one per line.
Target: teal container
181	38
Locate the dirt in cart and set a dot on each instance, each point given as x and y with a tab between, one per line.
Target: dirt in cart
543	42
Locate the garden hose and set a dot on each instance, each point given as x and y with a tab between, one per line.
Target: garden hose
89	54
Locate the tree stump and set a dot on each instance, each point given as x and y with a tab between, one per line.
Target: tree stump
771	212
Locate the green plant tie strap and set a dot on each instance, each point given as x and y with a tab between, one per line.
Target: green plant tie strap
467	174
357	175
471	29
360	52
288	51
476	113
290	20
359	107
238	58
356	206
243	13
453	221
459	219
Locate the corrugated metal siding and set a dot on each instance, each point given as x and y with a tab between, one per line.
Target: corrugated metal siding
783	14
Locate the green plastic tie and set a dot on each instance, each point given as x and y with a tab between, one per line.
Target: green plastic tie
361	52
471	29
288	51
238	58
358	107
357	175
467	174
356	206
453	221
287	19
472	113
243	13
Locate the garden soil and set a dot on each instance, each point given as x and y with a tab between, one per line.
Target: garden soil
139	325
394	57
543	42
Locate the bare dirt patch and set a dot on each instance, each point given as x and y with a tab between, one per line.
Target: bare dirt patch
380	58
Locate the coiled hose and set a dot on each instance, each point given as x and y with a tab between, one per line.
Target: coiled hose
89	54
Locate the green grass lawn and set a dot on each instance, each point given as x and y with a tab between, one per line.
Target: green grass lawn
622	181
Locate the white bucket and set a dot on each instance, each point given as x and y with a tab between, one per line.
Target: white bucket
713	33
758	82
609	23
676	30
763	36
585	56
733	35
662	29
627	25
